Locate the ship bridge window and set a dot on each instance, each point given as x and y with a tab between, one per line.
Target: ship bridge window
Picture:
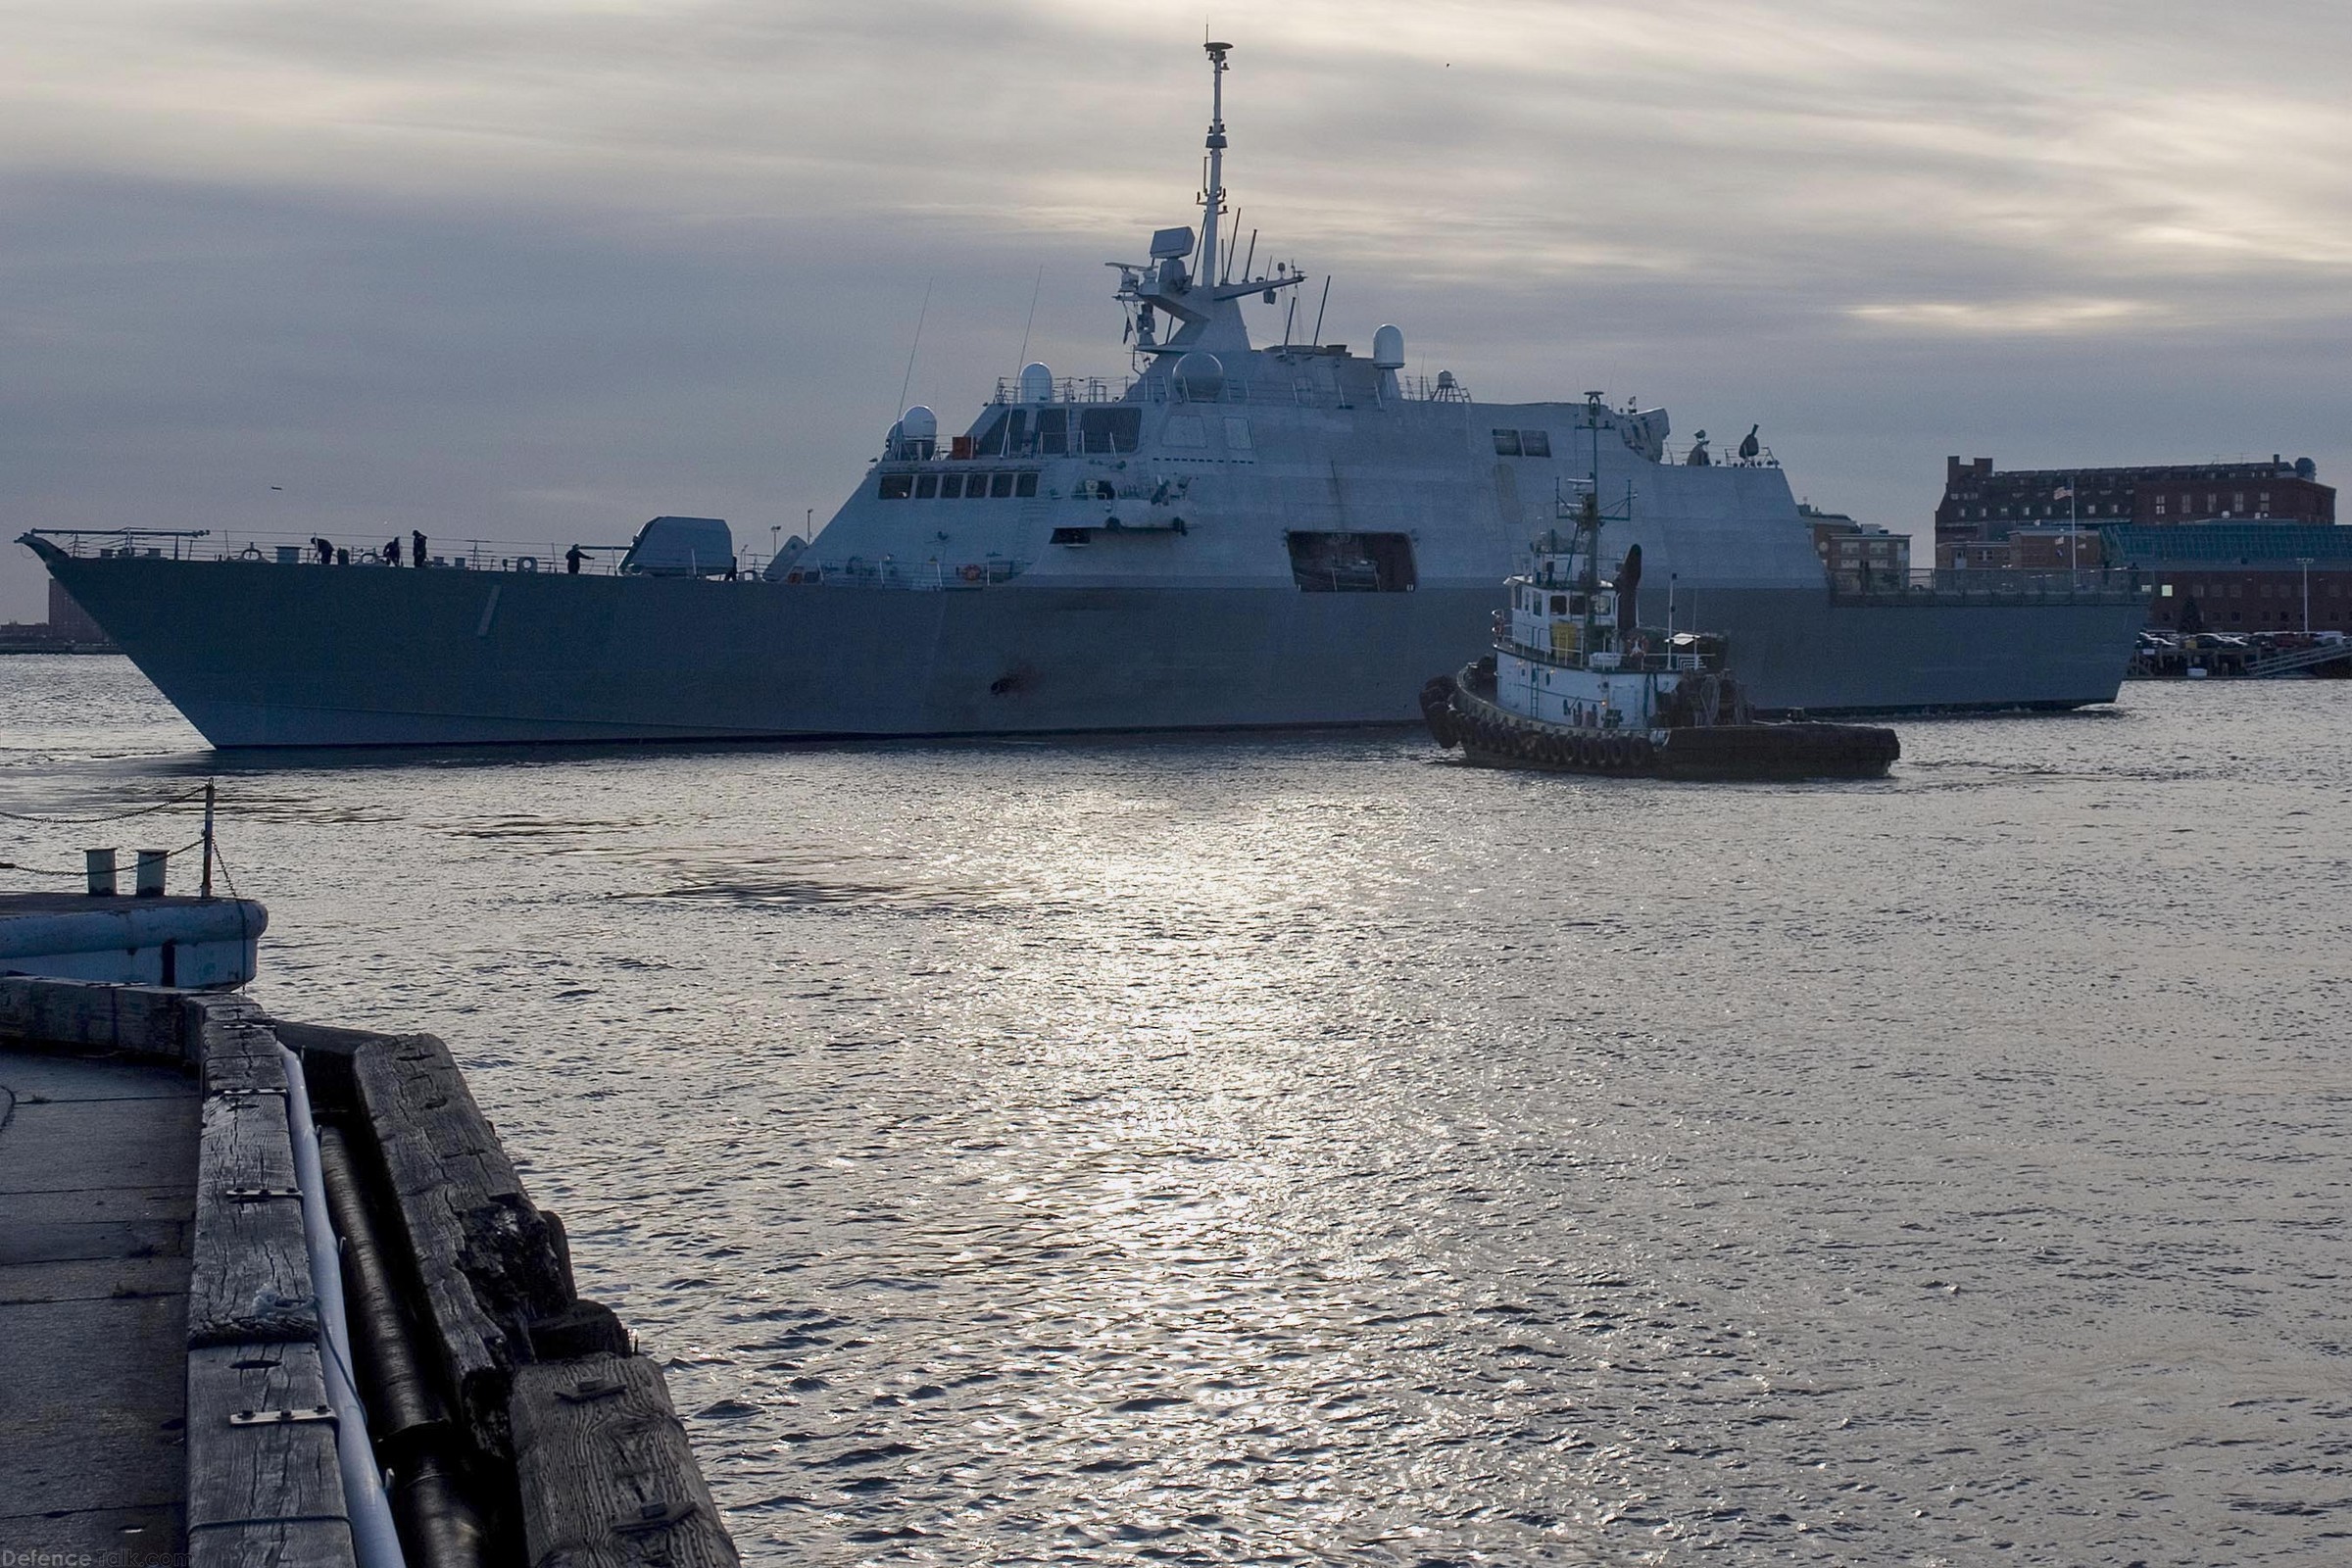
950	486
1506	443
926	485
1025	483
1534	443
1000	485
1004	433
1053	431
1559	603
1108	431
975	487
897	486
1352	563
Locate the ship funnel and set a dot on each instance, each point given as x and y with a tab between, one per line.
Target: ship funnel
1037	383
1388	349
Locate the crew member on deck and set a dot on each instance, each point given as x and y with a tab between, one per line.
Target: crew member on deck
571	560
392	551
417	539
327	551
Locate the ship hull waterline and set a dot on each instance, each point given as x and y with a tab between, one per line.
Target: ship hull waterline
265	655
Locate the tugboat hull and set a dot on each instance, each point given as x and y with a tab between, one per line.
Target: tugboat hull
1460	712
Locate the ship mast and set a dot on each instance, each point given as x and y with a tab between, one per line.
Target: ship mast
1212	197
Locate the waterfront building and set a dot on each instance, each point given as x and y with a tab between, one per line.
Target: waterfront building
2239	577
1983	506
1859	555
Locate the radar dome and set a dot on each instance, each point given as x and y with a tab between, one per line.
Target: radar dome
918	423
2305	469
1201	375
1388	349
1037	383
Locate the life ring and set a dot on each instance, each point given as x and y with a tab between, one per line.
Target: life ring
250	553
972	574
526	562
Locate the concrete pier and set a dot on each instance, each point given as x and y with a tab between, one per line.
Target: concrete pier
97	1192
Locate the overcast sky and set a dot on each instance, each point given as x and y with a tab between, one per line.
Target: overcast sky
541	270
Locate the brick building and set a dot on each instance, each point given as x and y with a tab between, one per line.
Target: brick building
2239	577
1983	507
1858	554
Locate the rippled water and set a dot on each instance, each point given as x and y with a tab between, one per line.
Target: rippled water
1305	1149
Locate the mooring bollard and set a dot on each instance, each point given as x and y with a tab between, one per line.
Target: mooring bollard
150	874
101	864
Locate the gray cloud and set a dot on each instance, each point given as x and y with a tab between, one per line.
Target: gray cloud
532	270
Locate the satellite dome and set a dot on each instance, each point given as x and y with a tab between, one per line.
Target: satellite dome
1201	375
1388	349
918	423
1037	383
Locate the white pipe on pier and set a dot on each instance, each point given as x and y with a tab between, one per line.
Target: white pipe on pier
373	1535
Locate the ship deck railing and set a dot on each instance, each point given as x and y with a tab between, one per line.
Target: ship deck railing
1297	390
520	555
274	548
1657	664
1958	585
918	576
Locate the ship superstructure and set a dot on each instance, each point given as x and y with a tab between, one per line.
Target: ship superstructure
1235	534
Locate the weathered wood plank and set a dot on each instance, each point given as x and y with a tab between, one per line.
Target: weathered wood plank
262	1493
489	1263
250	1273
144	1020
607	1476
327	1055
237	1049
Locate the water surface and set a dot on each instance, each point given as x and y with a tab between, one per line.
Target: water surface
1308	1149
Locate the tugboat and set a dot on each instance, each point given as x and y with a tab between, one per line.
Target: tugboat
1576	684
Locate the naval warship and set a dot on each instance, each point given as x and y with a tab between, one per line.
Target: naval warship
1233	535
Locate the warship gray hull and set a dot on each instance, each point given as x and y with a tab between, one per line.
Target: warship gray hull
262	655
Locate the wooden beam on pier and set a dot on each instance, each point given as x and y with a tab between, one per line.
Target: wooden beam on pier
489	1263
263	1488
142	1020
250	1279
607	1476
